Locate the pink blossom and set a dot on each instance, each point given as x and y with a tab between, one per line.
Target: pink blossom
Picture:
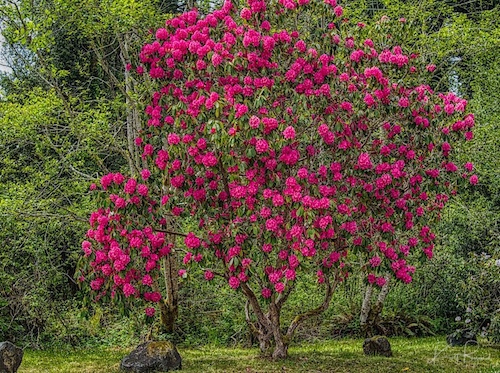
234	251
371	278
216	59
266	293
118	178
375	261
274	277
209	159
451	167
271	225
404	102
142	190
198	257
152	297
364	161
338	11
173	139
301	46
87	248
209	275
289	133
177	181
145	174
278	200
267	248
246	13
97	283
289	156
187	258
147	280
128	290
106	181
473	179
290	274
261	146
369	100
380	281
240	110
254	122
431	68
279	287
191	241
293	261
302	173
201	65
120	203
347	106
234	282
130	186
161	34
265	212
149	311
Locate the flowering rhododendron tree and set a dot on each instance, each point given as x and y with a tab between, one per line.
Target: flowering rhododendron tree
297	142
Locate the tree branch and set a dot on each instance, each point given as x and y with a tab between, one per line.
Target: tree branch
255	304
170	232
315	311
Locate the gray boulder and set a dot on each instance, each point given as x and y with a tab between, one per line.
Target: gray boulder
10	357
378	345
151	357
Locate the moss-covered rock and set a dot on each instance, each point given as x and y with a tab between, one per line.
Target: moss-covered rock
378	345
149	357
10	357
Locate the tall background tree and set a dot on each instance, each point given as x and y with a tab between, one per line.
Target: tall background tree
67	114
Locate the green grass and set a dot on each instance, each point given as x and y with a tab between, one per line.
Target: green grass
346	355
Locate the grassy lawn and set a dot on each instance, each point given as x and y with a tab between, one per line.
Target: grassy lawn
410	355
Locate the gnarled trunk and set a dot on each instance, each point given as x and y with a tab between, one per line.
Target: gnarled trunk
273	342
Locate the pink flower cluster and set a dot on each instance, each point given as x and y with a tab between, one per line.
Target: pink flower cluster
280	161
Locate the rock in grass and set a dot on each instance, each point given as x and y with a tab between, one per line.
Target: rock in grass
461	338
152	357
378	345
10	357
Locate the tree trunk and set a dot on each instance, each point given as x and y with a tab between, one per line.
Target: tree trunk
133	119
168	317
265	342
169	307
280	343
272	343
280	351
267	328
365	310
370	314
